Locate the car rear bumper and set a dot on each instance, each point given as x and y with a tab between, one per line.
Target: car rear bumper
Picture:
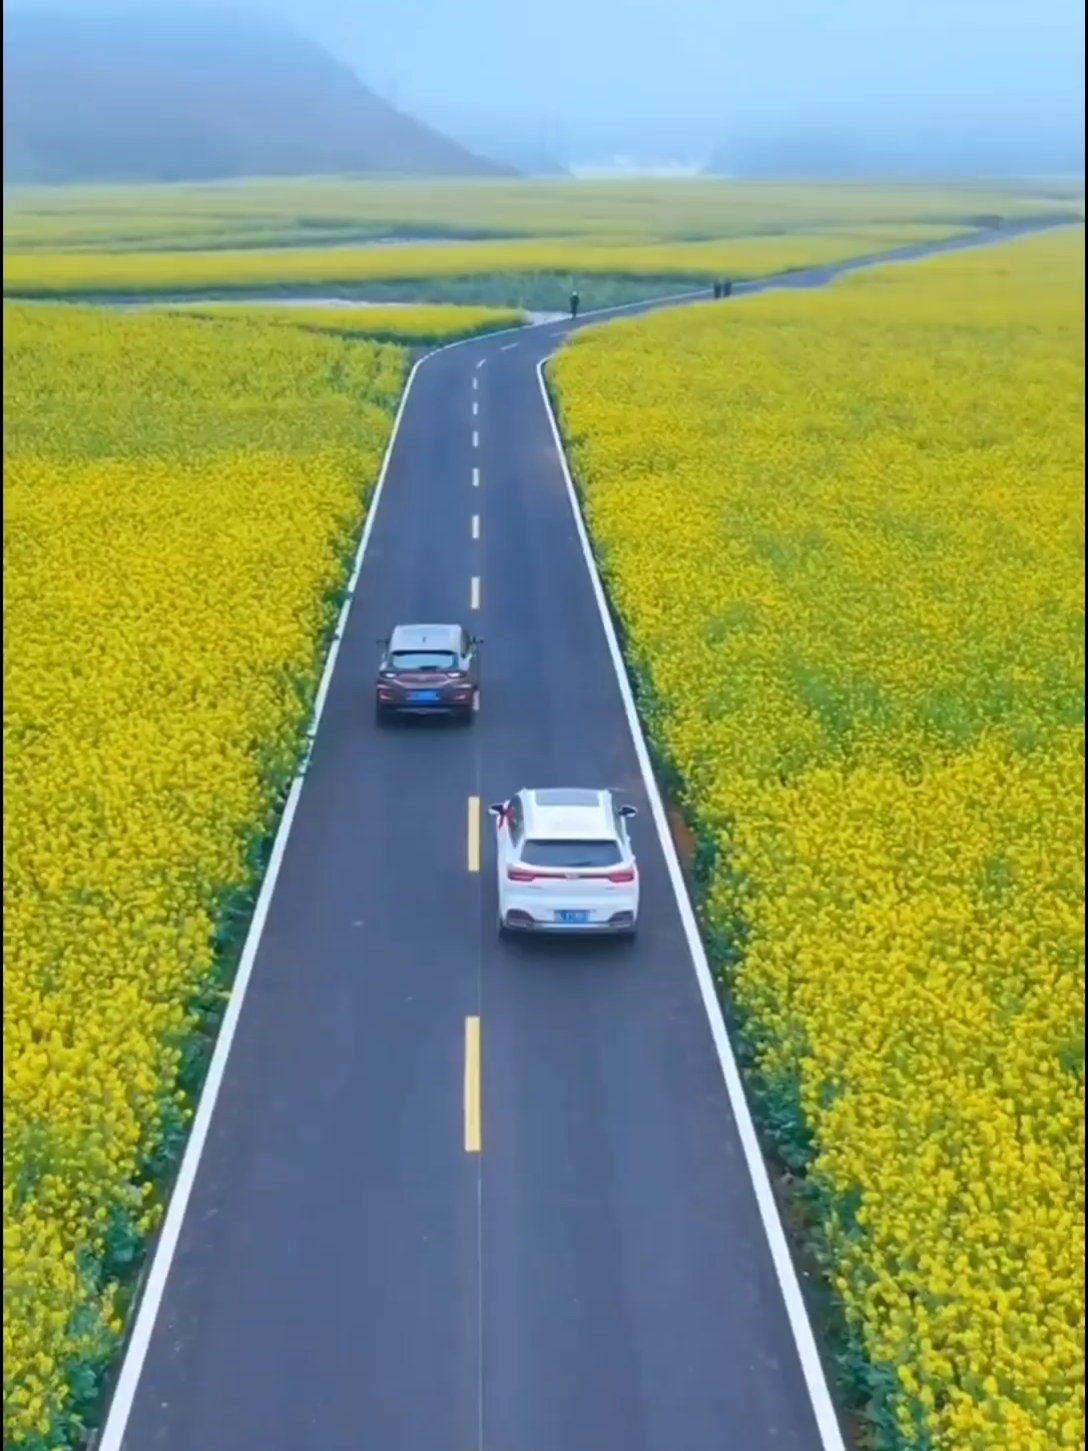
429	707
602	919
535	909
443	707
512	923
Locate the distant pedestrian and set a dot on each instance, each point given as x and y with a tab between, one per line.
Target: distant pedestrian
574	300
727	288
717	290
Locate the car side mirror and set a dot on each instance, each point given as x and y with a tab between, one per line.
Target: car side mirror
497	808
628	811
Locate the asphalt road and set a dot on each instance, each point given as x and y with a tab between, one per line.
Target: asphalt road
354	1272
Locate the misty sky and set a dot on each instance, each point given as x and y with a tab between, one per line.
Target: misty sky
685	73
686	66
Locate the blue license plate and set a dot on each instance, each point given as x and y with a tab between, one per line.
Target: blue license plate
572	917
423	697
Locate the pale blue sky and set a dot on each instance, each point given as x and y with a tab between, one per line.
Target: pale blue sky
683	65
676	76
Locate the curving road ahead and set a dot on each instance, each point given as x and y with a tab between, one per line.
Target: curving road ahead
446	1193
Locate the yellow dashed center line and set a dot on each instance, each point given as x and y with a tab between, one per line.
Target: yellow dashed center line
472	1085
474	833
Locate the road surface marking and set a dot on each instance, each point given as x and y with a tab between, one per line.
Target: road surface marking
475	478
472	1085
474	592
475	439
475	382
475	526
481	362
796	1310
474	833
476	699
506	347
475	408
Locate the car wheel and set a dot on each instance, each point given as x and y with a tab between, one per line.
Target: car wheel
381	714
465	715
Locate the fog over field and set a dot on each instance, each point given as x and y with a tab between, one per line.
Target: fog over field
796	87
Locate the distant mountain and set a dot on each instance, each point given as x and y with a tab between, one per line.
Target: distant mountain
192	96
528	159
529	147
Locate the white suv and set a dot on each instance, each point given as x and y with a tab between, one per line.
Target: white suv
565	863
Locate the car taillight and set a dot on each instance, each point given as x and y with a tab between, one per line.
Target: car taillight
522	874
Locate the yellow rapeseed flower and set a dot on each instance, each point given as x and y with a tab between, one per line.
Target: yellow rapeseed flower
846	538
439	323
43	273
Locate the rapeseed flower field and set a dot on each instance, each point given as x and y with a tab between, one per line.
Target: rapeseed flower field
286	211
846	543
79	273
409	324
180	500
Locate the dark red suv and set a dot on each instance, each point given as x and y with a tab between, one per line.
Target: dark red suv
428	670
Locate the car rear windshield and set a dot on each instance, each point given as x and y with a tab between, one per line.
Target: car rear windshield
571	855
423	660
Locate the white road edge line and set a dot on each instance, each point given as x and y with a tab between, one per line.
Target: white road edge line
124	1394
804	1339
